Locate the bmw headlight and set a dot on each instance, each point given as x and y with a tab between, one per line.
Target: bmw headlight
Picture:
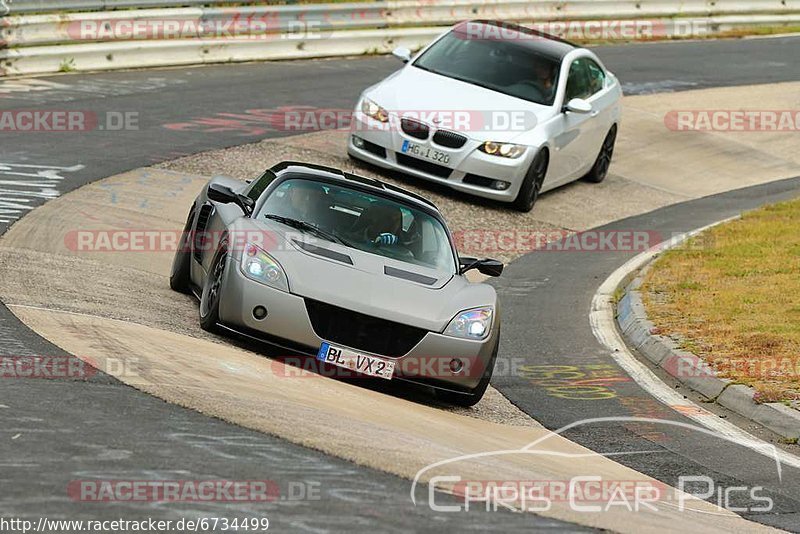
371	109
471	324
259	266
505	150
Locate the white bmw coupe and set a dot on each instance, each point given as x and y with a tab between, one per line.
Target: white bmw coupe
495	110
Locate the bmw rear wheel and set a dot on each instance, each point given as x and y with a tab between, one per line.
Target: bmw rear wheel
600	168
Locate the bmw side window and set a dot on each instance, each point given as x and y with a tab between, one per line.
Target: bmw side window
576	82
596	76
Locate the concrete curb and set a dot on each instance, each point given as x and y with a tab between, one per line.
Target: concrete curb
690	370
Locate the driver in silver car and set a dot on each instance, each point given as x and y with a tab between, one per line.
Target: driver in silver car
379	225
306	202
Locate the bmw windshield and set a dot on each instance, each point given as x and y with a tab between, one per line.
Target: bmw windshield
508	66
361	220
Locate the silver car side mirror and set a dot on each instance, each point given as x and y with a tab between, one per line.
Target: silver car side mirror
578	105
402	53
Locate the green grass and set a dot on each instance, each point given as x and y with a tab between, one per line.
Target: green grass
736	299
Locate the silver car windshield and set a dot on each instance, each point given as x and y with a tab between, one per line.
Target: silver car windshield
506	66
360	220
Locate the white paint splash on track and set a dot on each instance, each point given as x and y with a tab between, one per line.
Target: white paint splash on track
24	186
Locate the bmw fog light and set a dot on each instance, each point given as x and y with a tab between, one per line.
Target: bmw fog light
500	185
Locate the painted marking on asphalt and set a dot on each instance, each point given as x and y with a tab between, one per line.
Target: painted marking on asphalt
604	328
572	382
41	91
24	186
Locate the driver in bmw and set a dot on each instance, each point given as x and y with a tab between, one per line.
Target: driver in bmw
544	79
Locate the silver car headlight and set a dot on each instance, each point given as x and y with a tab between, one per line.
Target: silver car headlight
504	150
471	324
259	266
371	109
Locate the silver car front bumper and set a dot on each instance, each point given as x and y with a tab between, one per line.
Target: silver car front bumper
288	325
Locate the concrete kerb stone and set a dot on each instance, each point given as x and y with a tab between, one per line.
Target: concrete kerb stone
690	370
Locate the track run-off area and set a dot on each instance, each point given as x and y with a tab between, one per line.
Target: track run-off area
235	413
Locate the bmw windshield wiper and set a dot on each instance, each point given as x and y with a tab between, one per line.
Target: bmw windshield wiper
307	227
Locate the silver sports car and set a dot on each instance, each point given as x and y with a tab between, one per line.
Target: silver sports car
358	273
492	109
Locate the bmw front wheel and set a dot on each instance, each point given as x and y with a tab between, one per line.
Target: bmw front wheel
532	185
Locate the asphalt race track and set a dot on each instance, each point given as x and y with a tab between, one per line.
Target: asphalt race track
77	429
554	292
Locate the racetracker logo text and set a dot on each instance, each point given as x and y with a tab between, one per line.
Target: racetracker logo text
173	490
733	120
23	120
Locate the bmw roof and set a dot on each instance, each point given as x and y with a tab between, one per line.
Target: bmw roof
540	42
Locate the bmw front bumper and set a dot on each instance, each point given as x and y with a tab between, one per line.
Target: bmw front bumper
466	162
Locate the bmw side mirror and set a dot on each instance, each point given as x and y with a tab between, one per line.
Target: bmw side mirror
578	105
486	266
225	195
402	53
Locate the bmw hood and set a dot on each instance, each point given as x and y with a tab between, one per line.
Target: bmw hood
479	113
367	283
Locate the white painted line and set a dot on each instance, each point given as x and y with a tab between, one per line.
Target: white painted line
605	330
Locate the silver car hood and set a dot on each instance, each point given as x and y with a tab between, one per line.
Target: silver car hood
413	90
364	286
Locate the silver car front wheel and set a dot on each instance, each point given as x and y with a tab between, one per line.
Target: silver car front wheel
212	288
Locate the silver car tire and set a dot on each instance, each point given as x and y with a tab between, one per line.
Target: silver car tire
181	264
212	291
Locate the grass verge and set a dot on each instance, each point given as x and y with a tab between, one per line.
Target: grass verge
732	297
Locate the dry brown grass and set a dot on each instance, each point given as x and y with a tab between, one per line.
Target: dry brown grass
734	299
